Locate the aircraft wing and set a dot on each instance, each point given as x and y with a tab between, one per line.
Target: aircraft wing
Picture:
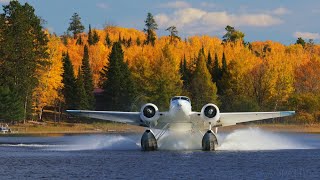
132	118
228	119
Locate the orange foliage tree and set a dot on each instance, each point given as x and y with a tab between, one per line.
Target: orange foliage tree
266	74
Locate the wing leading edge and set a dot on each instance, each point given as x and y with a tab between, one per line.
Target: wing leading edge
228	119
132	118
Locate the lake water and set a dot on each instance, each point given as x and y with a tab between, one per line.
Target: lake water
242	154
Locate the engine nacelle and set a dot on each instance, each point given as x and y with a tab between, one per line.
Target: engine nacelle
210	112
149	113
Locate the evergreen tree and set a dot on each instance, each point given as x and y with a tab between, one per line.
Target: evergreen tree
151	27
129	42
223	75
23	50
64	38
82	100
90	38
173	33
108	40
224	64
209	61
203	90
185	73
301	41
87	79
79	41
138	41
233	35
69	90
75	25
119	38
202	51
216	72
118	86
10	106
95	38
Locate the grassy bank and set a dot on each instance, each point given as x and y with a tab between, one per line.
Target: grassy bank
72	128
100	127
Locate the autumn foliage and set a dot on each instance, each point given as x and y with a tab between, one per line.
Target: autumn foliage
257	76
264	74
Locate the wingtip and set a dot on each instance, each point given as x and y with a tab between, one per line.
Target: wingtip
72	111
287	113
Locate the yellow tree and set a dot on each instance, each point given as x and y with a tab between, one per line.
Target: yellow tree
166	78
47	91
143	77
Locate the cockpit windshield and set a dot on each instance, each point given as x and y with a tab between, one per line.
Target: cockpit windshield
185	98
175	98
180	97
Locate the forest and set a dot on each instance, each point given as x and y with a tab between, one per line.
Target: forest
123	68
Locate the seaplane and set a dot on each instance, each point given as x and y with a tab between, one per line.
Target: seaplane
181	118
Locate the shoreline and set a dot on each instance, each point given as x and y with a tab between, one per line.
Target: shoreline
51	129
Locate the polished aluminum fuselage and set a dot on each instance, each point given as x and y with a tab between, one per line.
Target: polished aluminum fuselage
178	115
180	111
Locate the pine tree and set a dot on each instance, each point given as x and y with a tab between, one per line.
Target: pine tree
10	106
138	41
202	89
82	100
69	90
209	63
79	41
173	33
185	73
23	50
151	27
118	86
301	41
232	35
90	38
224	64
120	39
87	79
216	72
75	25
129	42
108	40
95	38
222	76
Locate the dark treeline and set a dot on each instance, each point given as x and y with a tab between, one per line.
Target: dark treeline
23	50
42	72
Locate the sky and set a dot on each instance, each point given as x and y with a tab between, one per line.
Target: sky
282	21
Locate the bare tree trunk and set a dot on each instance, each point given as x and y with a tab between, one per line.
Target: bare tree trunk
60	113
40	114
25	109
55	113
